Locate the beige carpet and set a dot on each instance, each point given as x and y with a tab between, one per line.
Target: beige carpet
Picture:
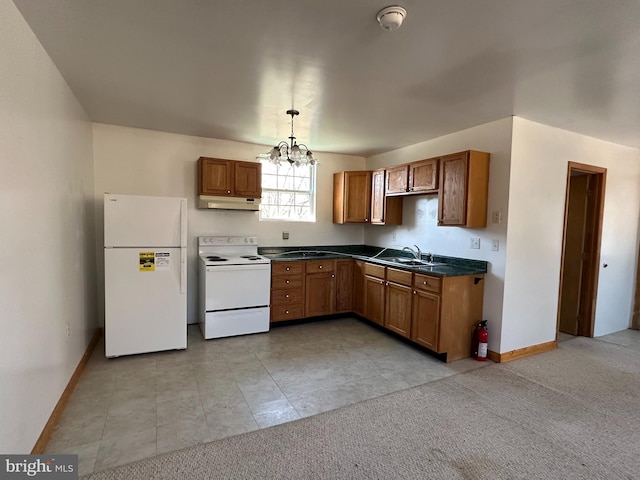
573	413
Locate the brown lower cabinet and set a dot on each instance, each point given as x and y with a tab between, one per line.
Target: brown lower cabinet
358	287
374	288
398	299
287	291
438	313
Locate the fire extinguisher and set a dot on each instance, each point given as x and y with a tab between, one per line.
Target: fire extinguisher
482	341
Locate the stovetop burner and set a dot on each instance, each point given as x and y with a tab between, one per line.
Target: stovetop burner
215	258
250	257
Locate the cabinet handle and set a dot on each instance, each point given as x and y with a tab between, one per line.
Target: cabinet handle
286	296
286	311
286	281
387	284
415	293
425	283
333	276
228	191
288	268
381	282
320	267
366	219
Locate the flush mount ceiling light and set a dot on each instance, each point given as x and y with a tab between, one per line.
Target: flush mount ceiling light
291	152
390	18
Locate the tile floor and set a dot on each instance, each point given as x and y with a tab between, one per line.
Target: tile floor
130	408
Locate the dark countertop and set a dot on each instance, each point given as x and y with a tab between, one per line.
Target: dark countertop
450	266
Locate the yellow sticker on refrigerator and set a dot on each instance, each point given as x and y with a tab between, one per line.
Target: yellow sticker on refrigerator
147	262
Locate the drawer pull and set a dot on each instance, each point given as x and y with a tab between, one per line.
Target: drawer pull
286	296
320	267
288	268
333	276
286	311
425	282
287	281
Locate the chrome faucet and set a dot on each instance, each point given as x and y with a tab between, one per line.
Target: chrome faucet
416	253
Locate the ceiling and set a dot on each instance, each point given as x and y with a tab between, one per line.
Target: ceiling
229	69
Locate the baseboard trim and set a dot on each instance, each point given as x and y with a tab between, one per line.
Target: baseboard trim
47	431
522	352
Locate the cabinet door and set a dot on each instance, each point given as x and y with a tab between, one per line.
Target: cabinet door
377	196
426	319
344	285
357	197
452	200
374	299
248	179
423	176
215	176
319	294
398	308
397	180
358	288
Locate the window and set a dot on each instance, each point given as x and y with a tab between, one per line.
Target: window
288	193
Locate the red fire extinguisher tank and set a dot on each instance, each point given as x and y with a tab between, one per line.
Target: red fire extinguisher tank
482	339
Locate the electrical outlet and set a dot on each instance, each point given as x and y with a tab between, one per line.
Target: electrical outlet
394	236
68	329
495	245
496	216
475	242
285	235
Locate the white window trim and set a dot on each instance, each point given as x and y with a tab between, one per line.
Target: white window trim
312	199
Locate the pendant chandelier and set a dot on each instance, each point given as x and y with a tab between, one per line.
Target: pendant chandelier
292	152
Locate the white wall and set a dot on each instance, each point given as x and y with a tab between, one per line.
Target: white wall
419	225
47	231
540	155
145	162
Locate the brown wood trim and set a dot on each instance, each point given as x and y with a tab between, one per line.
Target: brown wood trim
522	352
635	320
601	181
47	431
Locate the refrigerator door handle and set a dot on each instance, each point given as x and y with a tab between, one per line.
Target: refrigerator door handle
183	223
183	270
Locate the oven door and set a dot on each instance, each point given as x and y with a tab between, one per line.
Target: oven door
237	286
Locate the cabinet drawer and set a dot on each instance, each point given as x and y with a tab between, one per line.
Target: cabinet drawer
399	276
286	281
286	312
426	282
281	268
374	270
286	296
319	266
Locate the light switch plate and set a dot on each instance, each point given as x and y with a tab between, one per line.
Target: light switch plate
495	245
474	243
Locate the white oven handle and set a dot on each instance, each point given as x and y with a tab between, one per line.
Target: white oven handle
223	268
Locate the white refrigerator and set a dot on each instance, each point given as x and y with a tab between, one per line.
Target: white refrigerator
145	274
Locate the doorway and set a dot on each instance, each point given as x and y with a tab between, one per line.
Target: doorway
584	206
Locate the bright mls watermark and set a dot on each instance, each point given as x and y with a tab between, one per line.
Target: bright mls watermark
51	467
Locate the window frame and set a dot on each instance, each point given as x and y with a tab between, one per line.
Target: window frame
311	192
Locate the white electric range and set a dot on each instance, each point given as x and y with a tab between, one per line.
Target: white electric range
235	285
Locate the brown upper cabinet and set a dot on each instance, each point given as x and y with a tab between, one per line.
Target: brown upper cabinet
384	210
464	187
229	178
413	178
397	180
352	197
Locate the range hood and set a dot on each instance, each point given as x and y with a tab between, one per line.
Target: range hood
228	203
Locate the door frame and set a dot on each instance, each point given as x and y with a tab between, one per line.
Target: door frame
599	175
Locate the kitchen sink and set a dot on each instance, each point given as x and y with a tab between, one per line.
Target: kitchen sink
413	262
